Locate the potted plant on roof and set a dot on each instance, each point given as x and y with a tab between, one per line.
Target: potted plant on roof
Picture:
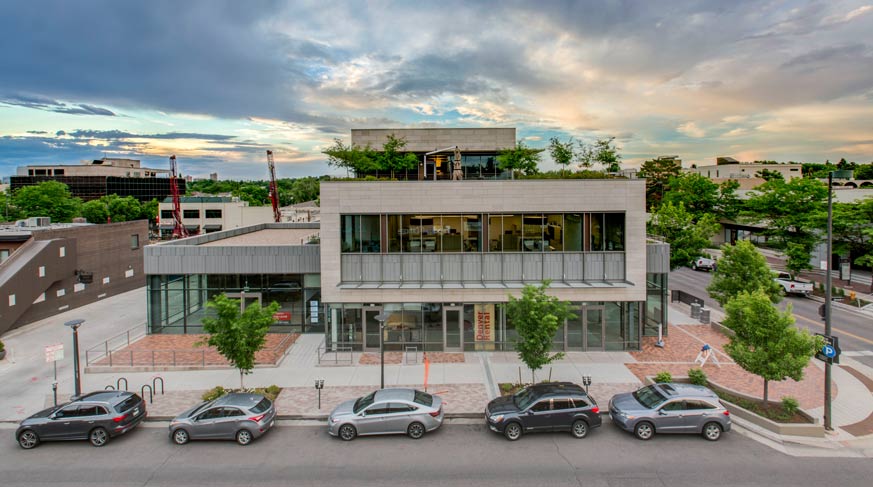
2	351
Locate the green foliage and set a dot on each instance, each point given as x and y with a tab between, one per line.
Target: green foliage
864	171
7	207
606	153
214	393
238	336
520	158
150	210
256	195
352	158
769	411
562	152
663	376
95	211
697	377
767	175
49	198
742	269
765	341
658	173
687	237
790	405
703	197
391	159
584	174
272	391
2	346
536	317
852	230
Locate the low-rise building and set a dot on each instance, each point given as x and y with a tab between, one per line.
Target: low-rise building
207	214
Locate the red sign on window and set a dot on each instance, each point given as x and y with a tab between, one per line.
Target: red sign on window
282	316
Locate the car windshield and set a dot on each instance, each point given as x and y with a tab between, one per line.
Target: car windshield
423	398
649	397
524	398
261	406
363	402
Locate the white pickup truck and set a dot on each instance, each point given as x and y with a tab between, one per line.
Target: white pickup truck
791	285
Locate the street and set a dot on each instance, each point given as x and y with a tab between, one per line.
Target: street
854	330
453	455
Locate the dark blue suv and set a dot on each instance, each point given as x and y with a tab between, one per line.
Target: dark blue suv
551	406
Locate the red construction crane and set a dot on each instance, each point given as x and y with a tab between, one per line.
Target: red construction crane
274	188
179	230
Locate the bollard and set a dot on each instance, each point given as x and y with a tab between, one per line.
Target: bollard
704	315
695	311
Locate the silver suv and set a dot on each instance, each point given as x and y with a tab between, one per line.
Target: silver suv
670	408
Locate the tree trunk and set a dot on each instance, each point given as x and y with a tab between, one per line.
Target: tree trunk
765	390
241	379
533	376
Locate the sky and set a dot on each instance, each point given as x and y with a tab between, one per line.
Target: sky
218	82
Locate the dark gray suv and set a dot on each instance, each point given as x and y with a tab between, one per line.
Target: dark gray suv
97	417
552	406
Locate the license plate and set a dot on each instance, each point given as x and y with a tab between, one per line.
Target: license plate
136	412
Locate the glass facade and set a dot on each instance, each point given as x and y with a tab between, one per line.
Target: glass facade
656	304
177	304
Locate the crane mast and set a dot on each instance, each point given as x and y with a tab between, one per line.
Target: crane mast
274	188
179	230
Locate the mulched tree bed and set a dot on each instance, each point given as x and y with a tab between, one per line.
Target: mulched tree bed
772	411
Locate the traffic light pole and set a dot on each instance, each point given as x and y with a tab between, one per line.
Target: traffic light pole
827	385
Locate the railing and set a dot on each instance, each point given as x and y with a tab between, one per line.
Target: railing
683	297
170	357
324	352
123	339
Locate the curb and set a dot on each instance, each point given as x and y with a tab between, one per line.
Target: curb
308	417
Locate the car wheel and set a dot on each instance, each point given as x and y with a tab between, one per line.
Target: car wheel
28	439
712	431
580	428
415	430
644	430
243	437
180	437
694	267
347	432
98	436
512	431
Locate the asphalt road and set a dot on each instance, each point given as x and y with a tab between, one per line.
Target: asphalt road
854	329
455	455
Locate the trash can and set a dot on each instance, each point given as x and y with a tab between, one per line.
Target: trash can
695	310
704	315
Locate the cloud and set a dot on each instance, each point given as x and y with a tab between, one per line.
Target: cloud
118	134
691	130
848	17
43	103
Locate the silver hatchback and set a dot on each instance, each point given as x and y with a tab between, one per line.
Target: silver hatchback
385	412
670	408
235	416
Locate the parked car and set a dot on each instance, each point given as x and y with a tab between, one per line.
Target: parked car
239	416
554	406
95	417
385	412
703	264
670	408
792	285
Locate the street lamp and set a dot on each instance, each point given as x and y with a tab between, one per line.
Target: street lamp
74	325
381	318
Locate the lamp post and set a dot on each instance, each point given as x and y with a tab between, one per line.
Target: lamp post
381	318
827	309
74	325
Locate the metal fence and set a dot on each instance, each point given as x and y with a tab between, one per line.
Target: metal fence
123	339
683	297
335	355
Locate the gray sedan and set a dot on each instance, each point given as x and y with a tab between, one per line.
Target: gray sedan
670	408
385	412
236	416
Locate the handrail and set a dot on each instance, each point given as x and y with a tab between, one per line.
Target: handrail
94	354
335	350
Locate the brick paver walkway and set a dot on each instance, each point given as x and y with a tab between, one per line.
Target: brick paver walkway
396	358
683	345
182	350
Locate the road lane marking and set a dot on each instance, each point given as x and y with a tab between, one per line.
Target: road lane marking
835	329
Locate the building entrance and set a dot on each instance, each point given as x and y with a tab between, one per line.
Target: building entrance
371	328
586	331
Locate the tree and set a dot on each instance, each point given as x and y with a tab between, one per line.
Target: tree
765	341
701	196
687	237
767	175
255	194
149	210
238	336
606	153
391	159
49	198
519	158
7	207
305	189
95	211
351	157
742	269
112	208
658	172
561	152
864	171
536	317
585	156
792	211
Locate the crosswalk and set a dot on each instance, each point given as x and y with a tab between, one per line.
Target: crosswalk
858	353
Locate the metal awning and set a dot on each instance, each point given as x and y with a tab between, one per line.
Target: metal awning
211	228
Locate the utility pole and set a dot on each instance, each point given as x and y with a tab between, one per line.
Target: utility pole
827	385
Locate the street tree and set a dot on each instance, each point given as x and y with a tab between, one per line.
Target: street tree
792	212
767	175
149	210
562	152
701	196
238	336
536	317
687	237
742	269
392	158
520	158
352	158
48	198
585	155
864	171
95	211
765	341
658	172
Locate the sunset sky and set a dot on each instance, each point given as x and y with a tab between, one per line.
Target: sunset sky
218	82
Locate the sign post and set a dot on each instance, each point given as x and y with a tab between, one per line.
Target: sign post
830	351
53	353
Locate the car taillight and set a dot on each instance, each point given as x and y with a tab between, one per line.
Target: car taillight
258	418
726	412
436	413
595	410
119	419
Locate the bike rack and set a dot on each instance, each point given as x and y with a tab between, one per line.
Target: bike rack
151	393
155	385
118	383
108	388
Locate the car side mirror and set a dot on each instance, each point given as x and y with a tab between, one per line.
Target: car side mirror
661	412
530	411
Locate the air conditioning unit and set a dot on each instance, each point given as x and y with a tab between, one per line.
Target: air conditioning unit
38	221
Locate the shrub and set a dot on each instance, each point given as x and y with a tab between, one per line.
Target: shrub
697	377
790	405
664	376
2	347
272	392
214	393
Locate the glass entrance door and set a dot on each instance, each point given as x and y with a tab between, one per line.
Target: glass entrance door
594	324
371	328
575	333
453	326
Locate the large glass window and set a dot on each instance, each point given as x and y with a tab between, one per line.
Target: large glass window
472	232
394	233
410	233
495	233
554	232
614	223
512	233
595	232
350	235
452	237
573	235
370	234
